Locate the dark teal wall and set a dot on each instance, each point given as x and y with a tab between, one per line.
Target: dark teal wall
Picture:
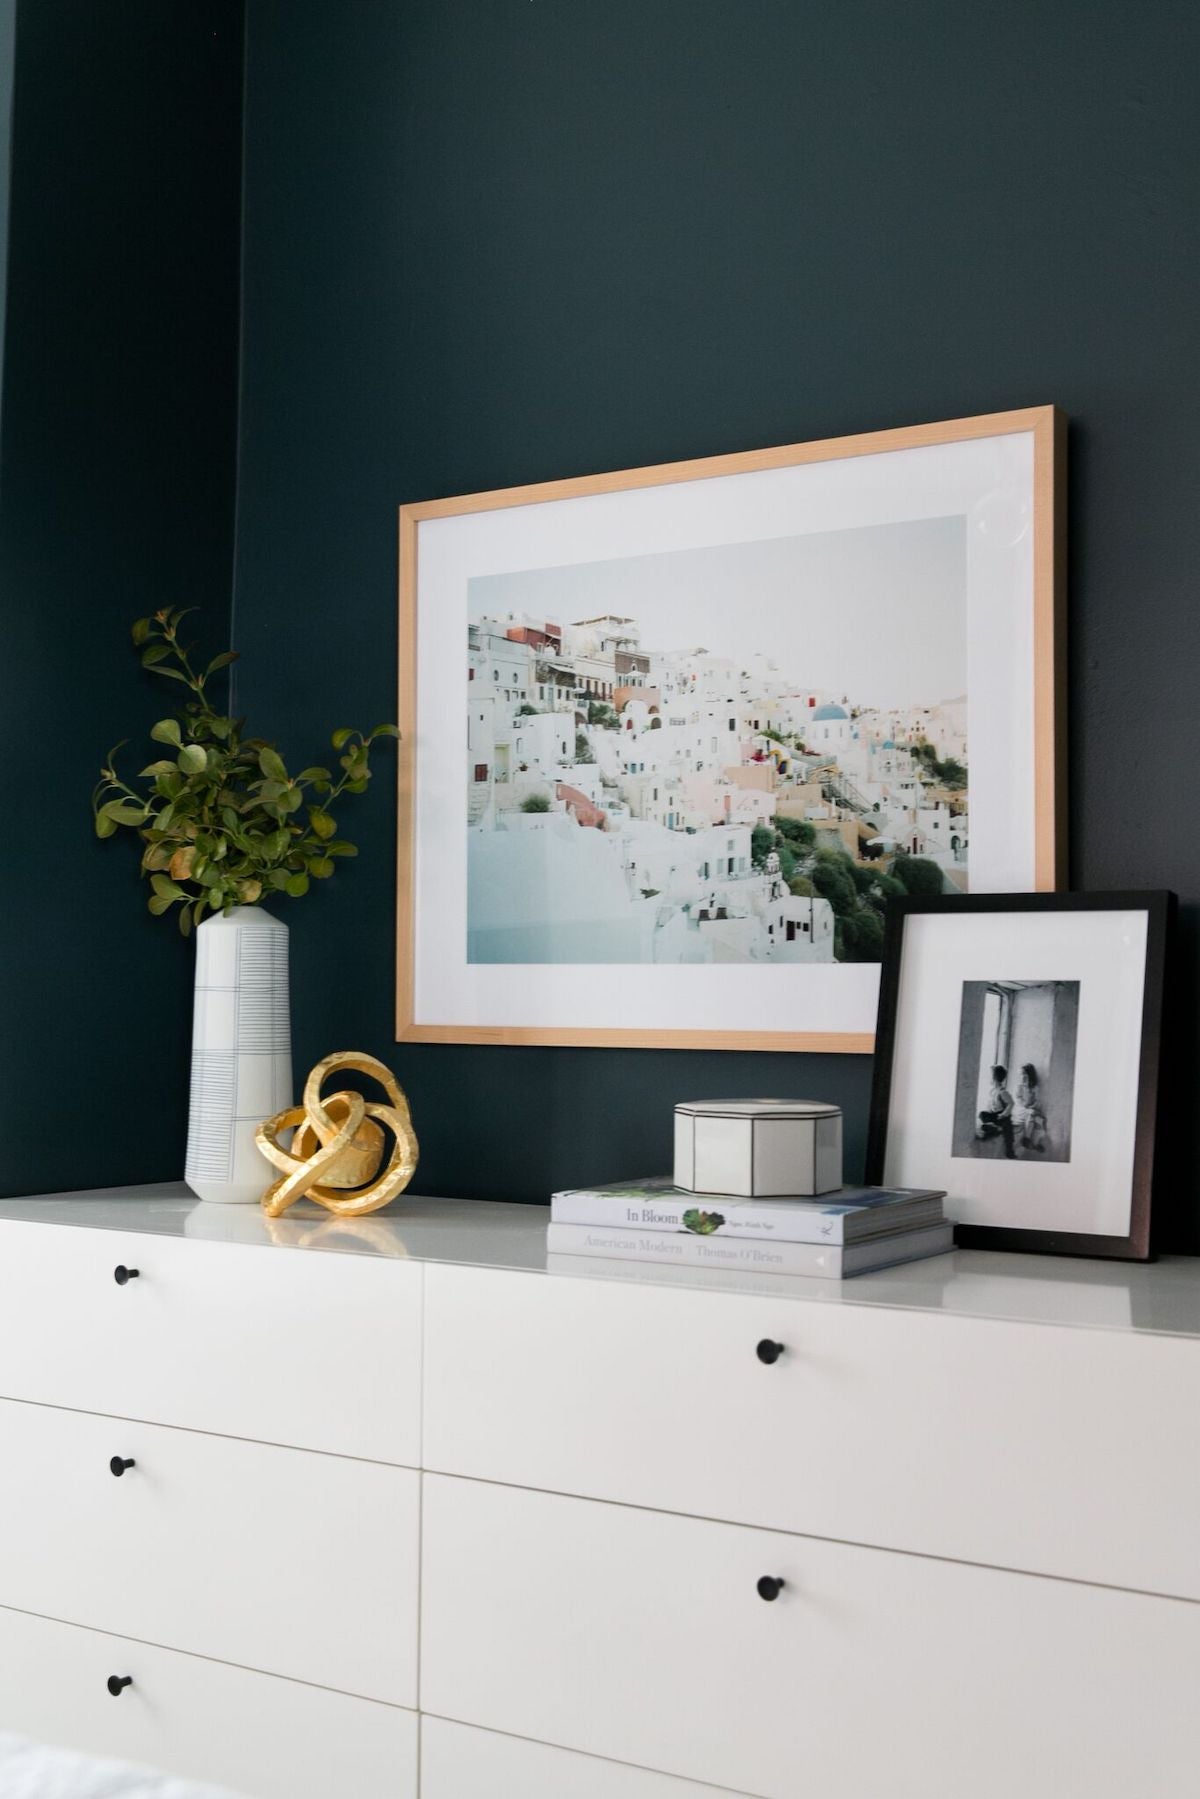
502	241
8	25
116	495
491	241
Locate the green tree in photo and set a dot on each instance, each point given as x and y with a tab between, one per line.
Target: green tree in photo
888	886
951	772
919	877
799	832
762	842
864	936
833	878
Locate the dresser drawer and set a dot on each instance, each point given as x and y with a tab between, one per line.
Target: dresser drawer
267	1738
641	1636
460	1762
278	1559
319	1351
1059	1451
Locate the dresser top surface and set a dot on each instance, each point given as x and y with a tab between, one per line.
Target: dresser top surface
1162	1297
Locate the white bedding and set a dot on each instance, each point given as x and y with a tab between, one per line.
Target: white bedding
31	1771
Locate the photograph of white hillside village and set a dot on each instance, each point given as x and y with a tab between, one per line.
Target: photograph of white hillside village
721	755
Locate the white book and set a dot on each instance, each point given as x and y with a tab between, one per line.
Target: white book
825	1260
849	1215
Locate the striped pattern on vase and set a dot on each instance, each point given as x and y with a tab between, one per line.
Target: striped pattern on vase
241	1052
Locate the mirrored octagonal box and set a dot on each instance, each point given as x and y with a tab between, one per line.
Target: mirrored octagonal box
758	1148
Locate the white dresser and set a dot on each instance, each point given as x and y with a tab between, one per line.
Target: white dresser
403	1506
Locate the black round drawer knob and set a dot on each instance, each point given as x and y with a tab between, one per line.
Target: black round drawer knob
770	1587
769	1352
118	1682
119	1464
121	1274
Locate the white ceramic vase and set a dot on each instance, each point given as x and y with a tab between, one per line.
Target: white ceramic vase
241	1052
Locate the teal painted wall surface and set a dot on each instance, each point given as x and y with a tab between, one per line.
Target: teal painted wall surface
499	242
493	241
116	496
8	33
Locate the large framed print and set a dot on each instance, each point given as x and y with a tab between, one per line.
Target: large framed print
672	738
1018	1065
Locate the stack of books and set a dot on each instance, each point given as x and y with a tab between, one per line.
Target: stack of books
852	1231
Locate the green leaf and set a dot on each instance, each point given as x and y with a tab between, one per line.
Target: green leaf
341	738
340	848
124	812
297	886
322	823
172	674
271	763
141	630
357	786
157	768
293	800
313	774
278	878
192	759
155	652
158	905
221	661
384	731
105	827
167	731
320	867
185	921
166	888
220	727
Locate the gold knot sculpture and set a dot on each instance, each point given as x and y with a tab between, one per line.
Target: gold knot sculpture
337	1152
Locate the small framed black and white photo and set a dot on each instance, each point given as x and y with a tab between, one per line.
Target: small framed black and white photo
1017	1065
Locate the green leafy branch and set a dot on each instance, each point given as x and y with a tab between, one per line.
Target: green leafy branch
222	822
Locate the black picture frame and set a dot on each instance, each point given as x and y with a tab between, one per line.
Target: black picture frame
1150	1136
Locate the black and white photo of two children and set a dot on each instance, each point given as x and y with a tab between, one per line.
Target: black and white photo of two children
1016	1070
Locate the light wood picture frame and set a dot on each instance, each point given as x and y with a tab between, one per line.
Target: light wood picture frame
657	829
